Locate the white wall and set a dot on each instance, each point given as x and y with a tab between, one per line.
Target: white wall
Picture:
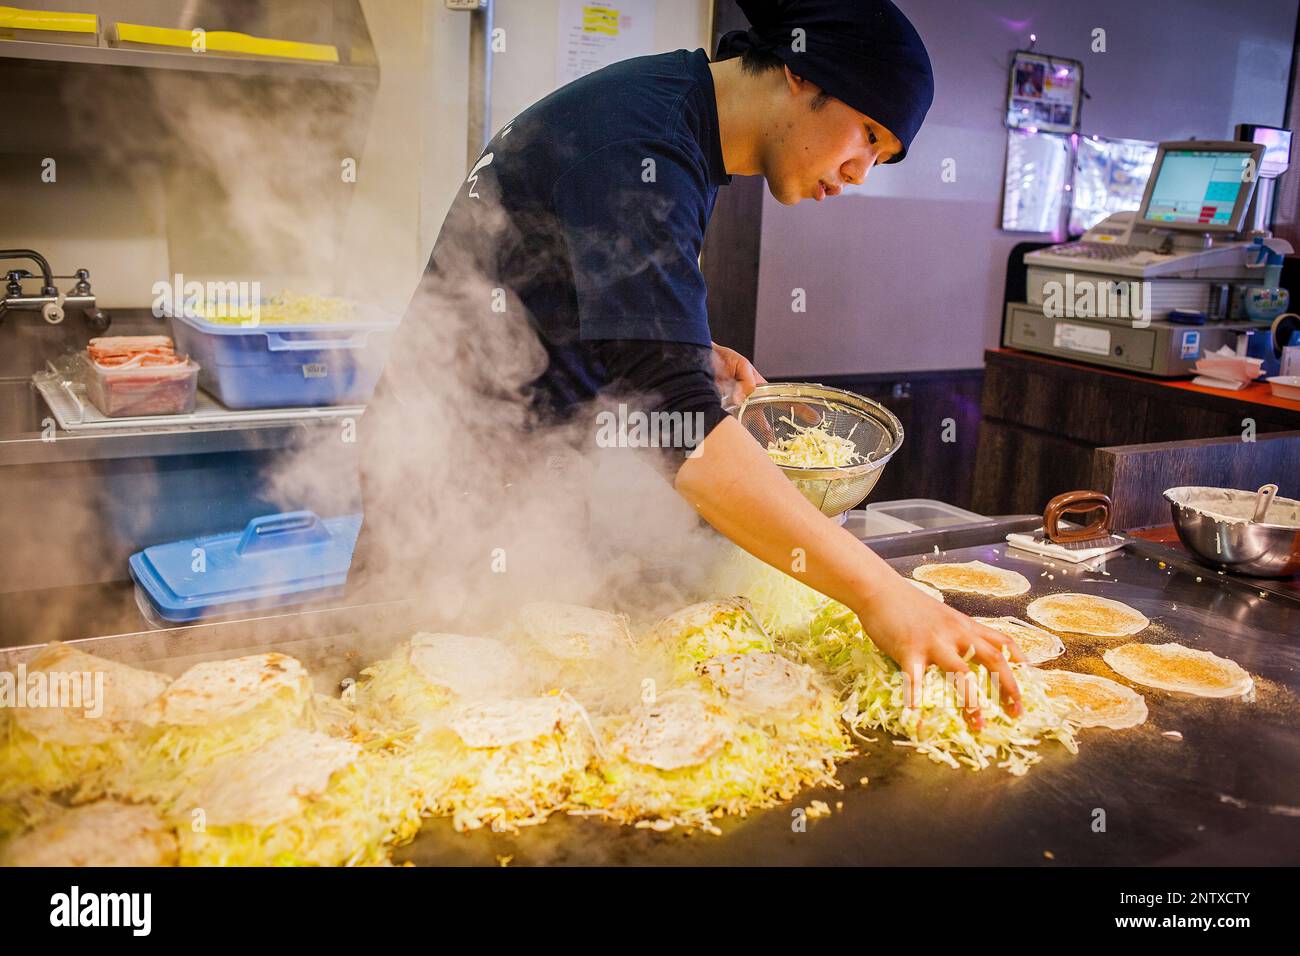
414	161
906	273
526	71
414	156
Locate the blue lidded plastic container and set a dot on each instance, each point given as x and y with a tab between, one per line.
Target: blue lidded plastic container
275	560
286	366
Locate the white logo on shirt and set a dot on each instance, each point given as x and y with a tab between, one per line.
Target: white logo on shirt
483	164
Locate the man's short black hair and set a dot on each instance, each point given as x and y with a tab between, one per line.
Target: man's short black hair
757	62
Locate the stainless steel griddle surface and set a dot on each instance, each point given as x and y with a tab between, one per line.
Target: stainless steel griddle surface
1227	792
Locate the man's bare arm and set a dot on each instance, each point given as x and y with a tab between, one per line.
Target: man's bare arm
737	489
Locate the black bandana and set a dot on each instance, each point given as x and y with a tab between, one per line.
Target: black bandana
862	52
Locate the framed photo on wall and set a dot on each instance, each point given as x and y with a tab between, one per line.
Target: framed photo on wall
1044	93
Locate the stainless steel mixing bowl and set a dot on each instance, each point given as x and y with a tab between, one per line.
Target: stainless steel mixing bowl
1215	525
773	412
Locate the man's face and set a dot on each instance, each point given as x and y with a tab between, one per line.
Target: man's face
814	153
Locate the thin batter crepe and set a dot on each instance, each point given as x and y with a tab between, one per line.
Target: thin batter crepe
972	577
1092	701
1180	669
1086	614
1038	645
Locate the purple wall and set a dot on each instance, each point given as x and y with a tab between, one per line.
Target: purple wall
906	272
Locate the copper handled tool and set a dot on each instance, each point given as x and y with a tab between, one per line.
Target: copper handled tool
1076	502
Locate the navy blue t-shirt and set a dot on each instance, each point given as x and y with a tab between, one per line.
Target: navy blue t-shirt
589	211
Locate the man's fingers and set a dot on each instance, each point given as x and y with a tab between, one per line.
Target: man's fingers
914	672
1008	689
966	685
746	378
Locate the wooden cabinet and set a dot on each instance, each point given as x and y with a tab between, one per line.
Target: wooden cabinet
1018	469
1042	419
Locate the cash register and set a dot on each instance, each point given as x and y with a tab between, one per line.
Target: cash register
1152	290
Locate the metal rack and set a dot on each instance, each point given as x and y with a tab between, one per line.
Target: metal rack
77	415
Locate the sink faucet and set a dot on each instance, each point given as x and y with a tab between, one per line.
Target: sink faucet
49	301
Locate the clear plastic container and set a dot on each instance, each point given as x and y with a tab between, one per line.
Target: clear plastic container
925	512
141	391
872	524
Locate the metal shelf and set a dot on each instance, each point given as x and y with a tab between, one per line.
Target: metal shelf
76	415
25	438
190	62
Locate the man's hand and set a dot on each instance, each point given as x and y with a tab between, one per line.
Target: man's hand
917	631
734	374
734	480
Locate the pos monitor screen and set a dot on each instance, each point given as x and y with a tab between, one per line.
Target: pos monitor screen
1201	186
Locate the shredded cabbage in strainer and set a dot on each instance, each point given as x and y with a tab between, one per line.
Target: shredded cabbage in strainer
814	446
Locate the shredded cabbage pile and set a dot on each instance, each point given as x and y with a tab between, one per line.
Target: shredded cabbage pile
283	309
392	697
367	808
873	688
730	630
505	787
766	760
814	446
168	755
29	765
412	765
828	636
754	769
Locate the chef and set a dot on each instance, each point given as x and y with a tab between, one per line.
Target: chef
589	210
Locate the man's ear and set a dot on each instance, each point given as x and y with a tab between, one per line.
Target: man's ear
794	82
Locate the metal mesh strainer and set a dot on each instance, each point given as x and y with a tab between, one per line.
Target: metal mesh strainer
874	430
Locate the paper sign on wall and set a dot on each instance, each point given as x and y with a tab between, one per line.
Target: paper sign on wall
1044	92
594	35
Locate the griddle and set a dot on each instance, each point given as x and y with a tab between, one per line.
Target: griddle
1226	792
